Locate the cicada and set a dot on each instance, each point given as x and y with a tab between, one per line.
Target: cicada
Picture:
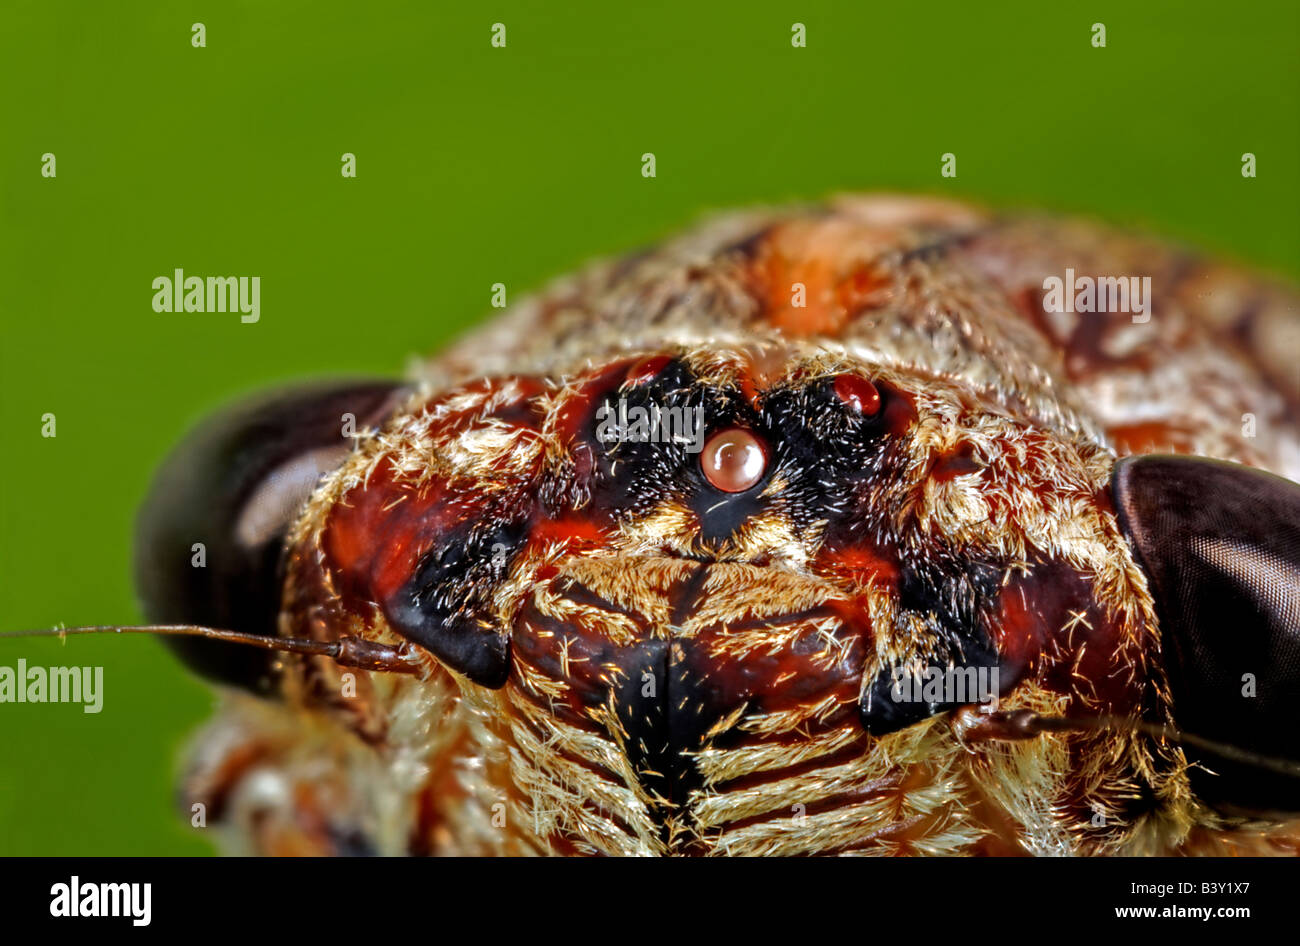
885	526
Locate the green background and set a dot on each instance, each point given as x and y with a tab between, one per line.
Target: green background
478	165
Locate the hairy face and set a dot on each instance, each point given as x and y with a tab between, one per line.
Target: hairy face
689	569
810	531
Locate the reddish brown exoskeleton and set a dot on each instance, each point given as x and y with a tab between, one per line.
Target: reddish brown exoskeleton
807	532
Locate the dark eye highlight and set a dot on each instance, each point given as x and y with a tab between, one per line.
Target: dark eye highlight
646	369
858	394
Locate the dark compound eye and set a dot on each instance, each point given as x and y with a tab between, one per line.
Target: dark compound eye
733	460
858	394
235	485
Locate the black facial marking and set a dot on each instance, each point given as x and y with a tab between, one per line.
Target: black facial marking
636	474
826	452
822	450
641	702
721	514
949	599
446	606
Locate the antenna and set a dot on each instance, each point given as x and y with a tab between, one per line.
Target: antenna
1026	724
348	651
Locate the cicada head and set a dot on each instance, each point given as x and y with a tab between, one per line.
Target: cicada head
677	580
697	554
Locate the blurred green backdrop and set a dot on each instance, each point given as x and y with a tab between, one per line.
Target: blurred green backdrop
478	165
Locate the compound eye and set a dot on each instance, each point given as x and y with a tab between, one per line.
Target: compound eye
235	485
1220	545
858	394
733	460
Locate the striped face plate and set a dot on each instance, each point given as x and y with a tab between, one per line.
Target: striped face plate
678	675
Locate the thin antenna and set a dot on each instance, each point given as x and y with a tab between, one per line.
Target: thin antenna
346	651
1032	724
